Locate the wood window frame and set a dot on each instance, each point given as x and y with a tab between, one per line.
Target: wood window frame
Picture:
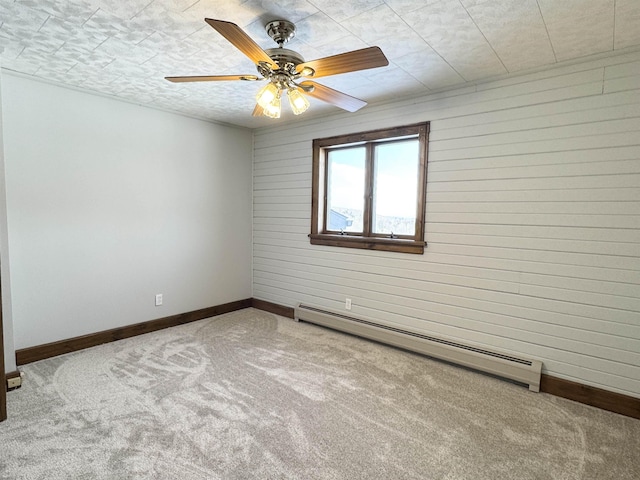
404	243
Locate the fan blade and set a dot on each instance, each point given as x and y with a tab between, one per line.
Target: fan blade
371	57
241	41
214	78
257	111
329	95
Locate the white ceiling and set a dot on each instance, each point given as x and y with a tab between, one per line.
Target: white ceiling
124	48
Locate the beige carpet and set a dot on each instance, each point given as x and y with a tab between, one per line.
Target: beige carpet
249	395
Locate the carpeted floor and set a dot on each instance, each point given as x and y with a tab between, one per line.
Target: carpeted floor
249	395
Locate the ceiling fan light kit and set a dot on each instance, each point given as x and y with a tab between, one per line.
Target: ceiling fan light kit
267	94
281	68
299	103
272	110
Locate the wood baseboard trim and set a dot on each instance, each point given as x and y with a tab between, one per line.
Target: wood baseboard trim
272	308
593	396
53	349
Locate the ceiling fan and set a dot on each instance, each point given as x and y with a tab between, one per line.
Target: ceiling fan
283	68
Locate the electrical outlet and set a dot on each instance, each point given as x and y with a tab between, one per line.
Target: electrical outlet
347	304
14	382
158	299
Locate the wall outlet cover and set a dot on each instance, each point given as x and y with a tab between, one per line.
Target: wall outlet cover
13	383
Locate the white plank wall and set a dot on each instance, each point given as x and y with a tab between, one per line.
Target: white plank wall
533	221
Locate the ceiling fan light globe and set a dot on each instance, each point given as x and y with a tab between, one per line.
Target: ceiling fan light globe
273	109
266	95
299	104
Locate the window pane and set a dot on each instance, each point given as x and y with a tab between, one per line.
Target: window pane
345	189
395	187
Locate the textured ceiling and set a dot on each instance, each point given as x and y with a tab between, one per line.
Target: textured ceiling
125	48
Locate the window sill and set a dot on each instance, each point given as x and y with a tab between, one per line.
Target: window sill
369	243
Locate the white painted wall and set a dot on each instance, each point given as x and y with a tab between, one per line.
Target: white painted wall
110	203
533	221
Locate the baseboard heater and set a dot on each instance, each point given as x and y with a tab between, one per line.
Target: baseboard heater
490	361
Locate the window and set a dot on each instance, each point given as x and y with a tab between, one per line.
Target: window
369	189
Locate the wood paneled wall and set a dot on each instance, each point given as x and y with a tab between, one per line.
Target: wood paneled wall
533	221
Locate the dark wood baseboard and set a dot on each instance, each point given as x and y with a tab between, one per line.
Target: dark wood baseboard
596	397
40	352
272	308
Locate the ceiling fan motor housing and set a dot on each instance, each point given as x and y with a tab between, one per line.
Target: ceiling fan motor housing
281	31
282	56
